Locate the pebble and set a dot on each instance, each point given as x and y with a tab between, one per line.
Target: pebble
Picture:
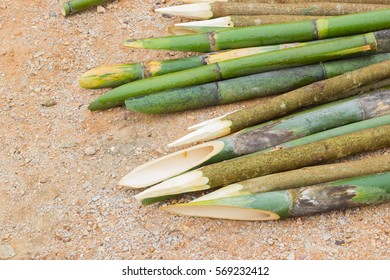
100	10
90	151
38	54
326	236
6	252
49	103
96	198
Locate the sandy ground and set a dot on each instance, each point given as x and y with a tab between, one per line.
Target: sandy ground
60	163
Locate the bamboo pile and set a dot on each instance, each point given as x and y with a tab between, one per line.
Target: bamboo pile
270	160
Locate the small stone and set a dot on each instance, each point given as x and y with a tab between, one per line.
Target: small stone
53	14
63	235
291	257
90	151
326	236
101	10
341	221
96	198
49	103
6	252
339	242
5	237
308	245
38	54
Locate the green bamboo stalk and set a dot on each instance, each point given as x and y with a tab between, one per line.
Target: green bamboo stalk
260	164
317	93
247	87
116	75
343	194
270	34
75	6
263	62
262	137
303	177
220	9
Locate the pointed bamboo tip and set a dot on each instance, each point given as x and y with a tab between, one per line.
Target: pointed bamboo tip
194	11
135	44
228	191
188	182
220	212
95	105
213	130
170	165
216	22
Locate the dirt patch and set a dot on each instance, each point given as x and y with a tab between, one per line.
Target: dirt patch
60	164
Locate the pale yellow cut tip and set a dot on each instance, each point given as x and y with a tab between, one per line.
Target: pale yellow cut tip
135	44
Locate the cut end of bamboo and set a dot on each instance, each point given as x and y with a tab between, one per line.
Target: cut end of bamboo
194	11
216	22
171	165
188	182
135	44
228	191
65	9
220	212
213	130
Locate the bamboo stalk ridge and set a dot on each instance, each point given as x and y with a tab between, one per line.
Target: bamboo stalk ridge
270	34
316	93
248	87
331	49
229	22
261	137
260	164
75	6
303	177
338	195
220	9
117	75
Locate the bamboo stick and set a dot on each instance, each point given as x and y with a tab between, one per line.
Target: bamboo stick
317	93
75	6
355	192
303	177
308	54
220	9
117	75
270	34
261	137
260	164
248	87
229	22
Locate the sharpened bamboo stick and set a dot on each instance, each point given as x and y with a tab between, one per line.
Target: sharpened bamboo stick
220	9
260	164
338	195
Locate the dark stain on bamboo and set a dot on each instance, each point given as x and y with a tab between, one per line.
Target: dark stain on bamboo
322	198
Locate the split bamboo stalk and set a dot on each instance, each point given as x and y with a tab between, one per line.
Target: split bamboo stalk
220	9
270	34
317	93
343	194
331	49
248	87
304	177
261	137
75	6
260	164
116	75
